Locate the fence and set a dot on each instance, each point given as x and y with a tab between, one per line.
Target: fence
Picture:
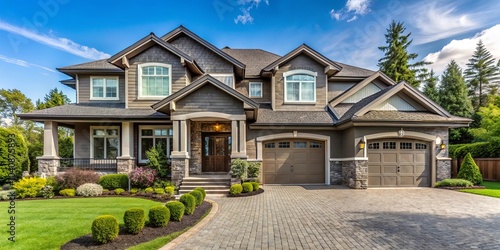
489	167
88	164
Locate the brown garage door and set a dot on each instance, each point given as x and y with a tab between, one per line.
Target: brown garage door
398	163
293	161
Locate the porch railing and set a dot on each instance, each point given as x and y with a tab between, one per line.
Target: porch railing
88	164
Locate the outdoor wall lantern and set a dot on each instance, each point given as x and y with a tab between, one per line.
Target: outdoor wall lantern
362	144
217	127
401	132
442	145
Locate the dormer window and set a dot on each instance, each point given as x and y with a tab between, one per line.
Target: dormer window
227	79
300	86
155	80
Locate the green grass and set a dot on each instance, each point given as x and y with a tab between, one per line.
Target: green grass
492	189
48	224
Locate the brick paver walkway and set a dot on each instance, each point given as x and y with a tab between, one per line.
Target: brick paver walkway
310	217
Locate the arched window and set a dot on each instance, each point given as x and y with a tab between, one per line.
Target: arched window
155	80
300	86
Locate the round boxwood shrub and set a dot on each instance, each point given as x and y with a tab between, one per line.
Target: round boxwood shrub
236	189
470	171
134	190
114	181
89	189
176	209
105	228
255	186
189	202
149	190
198	196
134	220
159	191
170	190
202	191
159	216
119	191
247	187
68	192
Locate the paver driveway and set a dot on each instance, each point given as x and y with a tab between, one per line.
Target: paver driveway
311	217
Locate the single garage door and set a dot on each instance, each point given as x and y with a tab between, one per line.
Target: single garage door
293	161
398	163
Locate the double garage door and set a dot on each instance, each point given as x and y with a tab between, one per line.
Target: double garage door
293	161
393	163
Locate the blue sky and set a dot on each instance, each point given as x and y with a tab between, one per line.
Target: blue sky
38	36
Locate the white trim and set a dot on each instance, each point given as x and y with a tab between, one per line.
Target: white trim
153	127
443	158
299	135
126	87
196	115
350	159
92	97
250	89
215	75
139	80
77	89
92	128
296	72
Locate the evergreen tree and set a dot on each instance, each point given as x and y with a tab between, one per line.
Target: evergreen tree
453	92
396	60
52	99
430	89
482	75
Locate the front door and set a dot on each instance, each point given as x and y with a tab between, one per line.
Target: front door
216	150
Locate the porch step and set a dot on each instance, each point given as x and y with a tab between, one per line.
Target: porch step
213	184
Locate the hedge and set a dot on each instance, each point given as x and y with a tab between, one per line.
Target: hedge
489	149
114	181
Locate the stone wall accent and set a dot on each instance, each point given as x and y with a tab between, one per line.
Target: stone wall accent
48	167
355	174
336	173
443	169
196	141
125	165
178	170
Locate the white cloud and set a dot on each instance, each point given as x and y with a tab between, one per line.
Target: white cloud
351	9
23	63
247	6
462	50
60	43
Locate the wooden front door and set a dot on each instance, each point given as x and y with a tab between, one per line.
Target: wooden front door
216	150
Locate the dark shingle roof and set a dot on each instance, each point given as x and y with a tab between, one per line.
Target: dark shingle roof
99	64
353	71
254	59
94	111
362	103
380	115
267	116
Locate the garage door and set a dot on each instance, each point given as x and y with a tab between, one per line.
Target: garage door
293	161
398	163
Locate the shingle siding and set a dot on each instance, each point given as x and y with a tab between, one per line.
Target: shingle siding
209	99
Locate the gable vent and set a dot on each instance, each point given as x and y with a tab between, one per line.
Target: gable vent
364	92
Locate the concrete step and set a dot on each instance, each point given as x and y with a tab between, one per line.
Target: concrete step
188	179
206	187
204	183
209	192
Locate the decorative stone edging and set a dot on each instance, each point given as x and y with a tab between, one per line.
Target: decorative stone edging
189	233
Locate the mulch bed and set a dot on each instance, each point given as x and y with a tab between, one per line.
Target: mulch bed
126	240
457	188
260	191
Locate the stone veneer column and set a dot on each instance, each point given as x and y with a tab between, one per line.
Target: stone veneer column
125	164
336	173
443	169
178	166
48	166
180	155
355	174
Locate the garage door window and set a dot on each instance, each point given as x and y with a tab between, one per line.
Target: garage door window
389	145
315	145
405	145
269	145
420	146
300	144
284	145
373	145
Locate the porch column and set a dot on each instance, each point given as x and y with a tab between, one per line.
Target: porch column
180	155
238	135
125	162
243	138
234	139
49	162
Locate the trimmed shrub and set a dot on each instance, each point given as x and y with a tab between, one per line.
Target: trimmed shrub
75	177
454	183
236	189
176	209
247	187
134	220
114	181
142	177
470	171
255	185
159	216
159	191
105	228
198	196
149	190
29	187
170	190
490	149
189	202
202	191
239	168
134	190
118	191
253	170
89	189
68	192
47	192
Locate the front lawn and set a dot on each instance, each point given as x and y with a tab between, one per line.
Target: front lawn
492	189
48	224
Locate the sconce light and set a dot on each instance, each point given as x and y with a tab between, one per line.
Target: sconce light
217	127
438	140
442	145
401	132
362	144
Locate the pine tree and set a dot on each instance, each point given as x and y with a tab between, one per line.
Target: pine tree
52	99
430	89
482	75
395	62
453	91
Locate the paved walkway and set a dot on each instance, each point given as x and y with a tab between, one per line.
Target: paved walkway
310	217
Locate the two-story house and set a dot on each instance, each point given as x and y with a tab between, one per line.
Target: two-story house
306	118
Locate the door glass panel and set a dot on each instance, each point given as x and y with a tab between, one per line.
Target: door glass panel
219	146
229	144
206	143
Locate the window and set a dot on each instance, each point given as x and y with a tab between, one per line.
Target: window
269	145
300	86
105	88
227	79
315	145
389	145
283	144
255	89
300	144
154	80
420	146
153	135
105	142
405	145
373	145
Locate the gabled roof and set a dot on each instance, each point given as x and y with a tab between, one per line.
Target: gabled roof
146	43
183	30
254	59
205	79
351	91
332	66
349	71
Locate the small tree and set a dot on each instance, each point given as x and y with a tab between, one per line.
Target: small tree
157	160
239	168
11	140
470	171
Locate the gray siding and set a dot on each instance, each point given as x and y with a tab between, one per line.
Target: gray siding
243	87
301	62
159	55
84	88
206	59
209	99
